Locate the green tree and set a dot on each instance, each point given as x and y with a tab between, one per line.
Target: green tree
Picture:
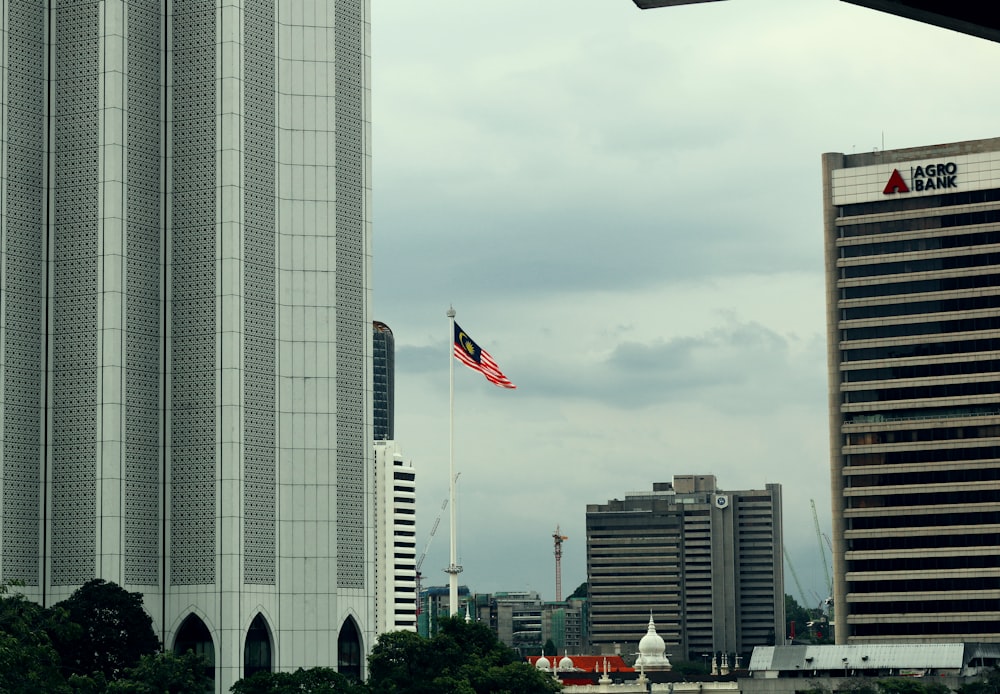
29	662
910	685
27	668
989	684
690	667
318	680
115	631
580	592
549	649
401	657
794	612
164	673
820	632
513	678
88	684
463	658
858	685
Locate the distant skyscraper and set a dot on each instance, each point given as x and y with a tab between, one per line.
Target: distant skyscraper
396	540
383	381
184	319
706	562
565	624
515	617
913	334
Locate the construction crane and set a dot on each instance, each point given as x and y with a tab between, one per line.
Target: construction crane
423	555
557	540
822	552
795	576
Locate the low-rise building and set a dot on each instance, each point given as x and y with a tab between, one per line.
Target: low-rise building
788	669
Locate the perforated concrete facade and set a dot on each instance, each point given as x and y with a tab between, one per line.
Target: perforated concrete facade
185	360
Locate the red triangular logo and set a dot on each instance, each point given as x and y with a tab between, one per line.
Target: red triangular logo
896	184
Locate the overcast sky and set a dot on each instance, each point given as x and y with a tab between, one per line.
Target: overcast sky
624	209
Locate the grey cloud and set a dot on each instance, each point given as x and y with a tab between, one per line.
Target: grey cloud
419	360
742	366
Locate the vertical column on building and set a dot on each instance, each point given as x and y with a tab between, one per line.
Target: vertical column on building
229	289
142	310
832	161
777	561
308	424
192	427
725	570
24	118
74	263
110	287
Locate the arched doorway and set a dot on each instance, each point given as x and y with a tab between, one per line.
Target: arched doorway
257	647
349	650
195	636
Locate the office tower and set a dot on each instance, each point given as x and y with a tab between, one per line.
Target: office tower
705	562
518	619
383	381
396	540
565	624
913	334
185	388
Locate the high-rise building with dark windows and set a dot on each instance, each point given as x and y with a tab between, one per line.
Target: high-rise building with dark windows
185	350
705	563
383	381
913	292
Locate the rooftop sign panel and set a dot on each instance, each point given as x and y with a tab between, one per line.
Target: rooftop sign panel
950	174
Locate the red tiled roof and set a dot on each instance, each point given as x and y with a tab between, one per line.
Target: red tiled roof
590	663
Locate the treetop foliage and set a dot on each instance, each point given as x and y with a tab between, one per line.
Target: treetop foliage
116	630
318	680
463	658
888	685
98	641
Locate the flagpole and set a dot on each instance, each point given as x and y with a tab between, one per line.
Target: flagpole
453	569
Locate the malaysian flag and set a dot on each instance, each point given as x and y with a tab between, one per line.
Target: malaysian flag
475	357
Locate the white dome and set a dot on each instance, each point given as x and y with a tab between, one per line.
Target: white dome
543	664
652	643
652	649
566	663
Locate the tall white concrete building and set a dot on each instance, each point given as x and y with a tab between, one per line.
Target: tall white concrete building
396	540
185	350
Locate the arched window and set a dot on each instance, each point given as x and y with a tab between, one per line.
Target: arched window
257	648
195	636
349	650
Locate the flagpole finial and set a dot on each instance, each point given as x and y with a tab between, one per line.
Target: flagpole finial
451	312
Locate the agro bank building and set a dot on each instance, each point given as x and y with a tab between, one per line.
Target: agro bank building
185	333
913	316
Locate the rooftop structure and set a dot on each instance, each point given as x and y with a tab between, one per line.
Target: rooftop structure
383	382
973	18
788	669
